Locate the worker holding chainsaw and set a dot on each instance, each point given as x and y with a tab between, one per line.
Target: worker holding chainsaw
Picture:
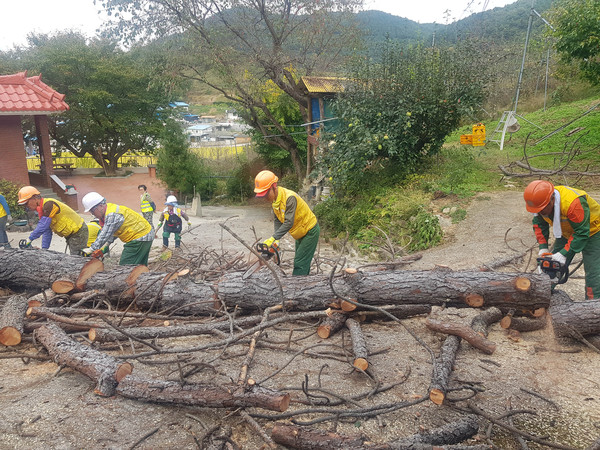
575	220
54	217
293	215
118	221
171	218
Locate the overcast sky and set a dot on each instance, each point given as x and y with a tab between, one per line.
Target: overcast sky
45	16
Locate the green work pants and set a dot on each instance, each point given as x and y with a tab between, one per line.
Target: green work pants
135	252
305	250
591	264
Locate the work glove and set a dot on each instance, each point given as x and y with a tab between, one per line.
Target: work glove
544	252
189	224
9	218
97	253
86	251
559	257
271	242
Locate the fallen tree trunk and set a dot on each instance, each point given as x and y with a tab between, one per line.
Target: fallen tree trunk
204	395
11	320
118	281
36	270
332	324
524	323
105	370
576	319
443	437
359	345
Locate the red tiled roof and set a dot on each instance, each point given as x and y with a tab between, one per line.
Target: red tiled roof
22	95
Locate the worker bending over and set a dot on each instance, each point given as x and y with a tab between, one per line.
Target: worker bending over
293	215
118	221
55	216
171	218
575	220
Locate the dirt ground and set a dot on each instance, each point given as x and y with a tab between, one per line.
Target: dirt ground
560	391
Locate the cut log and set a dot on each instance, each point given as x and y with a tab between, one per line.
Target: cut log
36	270
204	395
90	268
108	334
46	298
105	370
11	320
465	332
441	438
63	285
399	311
359	345
576	318
116	281
523	323
444	362
331	325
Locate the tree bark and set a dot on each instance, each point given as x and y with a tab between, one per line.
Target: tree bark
524	323
118	281
359	345
451	433
203	395
105	370
36	270
293	436
11	320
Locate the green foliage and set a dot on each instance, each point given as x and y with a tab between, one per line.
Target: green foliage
10	192
578	35
180	169
115	97
459	215
290	181
425	231
398	111
241	185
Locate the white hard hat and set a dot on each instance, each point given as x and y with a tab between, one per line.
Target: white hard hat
171	199
90	200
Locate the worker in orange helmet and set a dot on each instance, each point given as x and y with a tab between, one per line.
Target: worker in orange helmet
293	215
55	216
575	220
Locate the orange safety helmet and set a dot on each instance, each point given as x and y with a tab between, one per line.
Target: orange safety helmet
26	192
537	195
263	182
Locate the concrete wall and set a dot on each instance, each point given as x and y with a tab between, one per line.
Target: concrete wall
13	165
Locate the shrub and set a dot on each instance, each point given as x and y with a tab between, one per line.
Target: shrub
425	231
10	192
241	185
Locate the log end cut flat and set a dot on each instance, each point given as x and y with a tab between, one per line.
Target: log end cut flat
324	331
474	300
123	370
437	396
522	284
63	286
361	363
10	336
90	268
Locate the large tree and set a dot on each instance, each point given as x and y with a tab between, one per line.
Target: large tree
116	102
577	32
235	46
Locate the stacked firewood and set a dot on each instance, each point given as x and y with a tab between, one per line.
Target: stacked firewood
62	294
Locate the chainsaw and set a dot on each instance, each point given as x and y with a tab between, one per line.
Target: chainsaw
266	252
558	273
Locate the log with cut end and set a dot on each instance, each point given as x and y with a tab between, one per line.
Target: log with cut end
109	334
63	285
576	318
11	320
399	311
203	395
359	345
36	270
105	370
444	362
465	332
452	433
117	281
331	325
523	323
293	436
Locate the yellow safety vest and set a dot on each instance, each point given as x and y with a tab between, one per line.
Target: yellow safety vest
134	226
146	206
166	213
64	222
567	196
304	220
2	211
93	230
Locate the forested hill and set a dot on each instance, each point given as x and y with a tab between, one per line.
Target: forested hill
506	24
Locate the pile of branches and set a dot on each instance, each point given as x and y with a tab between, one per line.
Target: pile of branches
80	314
